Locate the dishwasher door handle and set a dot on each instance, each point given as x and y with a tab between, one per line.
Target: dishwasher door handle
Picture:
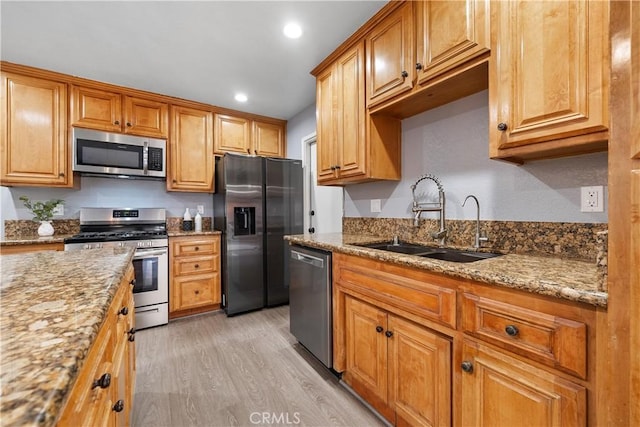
316	262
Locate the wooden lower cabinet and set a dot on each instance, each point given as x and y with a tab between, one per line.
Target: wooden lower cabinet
402	369
34	247
103	392
194	274
499	390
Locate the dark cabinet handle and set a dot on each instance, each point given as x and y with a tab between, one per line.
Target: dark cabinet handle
119	406
174	181
388	334
132	282
405	74
196	266
418	66
128	124
467	367
124	311
312	230
337	167
132	334
61	174
197	248
379	329
502	127
117	122
103	382
511	330
248	151
197	292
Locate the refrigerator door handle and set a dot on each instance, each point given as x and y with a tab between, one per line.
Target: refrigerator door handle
316	262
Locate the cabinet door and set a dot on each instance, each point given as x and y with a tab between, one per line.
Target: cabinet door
420	373
350	120
194	291
549	73
390	55
232	134
268	139
500	390
450	33
34	139
146	117
191	150
366	350
96	109
326	126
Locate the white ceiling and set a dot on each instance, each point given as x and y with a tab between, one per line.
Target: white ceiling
203	51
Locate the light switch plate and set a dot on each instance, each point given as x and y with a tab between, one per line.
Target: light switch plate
201	209
592	199
375	206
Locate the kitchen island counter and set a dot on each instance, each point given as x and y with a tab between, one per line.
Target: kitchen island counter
52	305
551	276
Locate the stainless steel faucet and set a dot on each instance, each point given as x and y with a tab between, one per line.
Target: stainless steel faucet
418	208
478	239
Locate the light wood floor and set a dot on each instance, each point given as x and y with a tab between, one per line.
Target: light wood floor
213	370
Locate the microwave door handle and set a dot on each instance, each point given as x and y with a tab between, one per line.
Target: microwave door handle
145	158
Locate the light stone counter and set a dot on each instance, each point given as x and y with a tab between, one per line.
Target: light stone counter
52	305
552	276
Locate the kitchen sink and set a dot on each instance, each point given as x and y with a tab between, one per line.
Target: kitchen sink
444	254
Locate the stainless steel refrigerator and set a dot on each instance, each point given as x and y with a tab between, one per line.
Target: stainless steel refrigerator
257	201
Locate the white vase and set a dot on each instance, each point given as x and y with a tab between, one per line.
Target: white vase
45	229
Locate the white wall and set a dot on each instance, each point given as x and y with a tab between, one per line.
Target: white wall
103	192
299	126
451	142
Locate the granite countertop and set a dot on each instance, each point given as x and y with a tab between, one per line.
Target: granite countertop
52	305
33	239
556	277
177	233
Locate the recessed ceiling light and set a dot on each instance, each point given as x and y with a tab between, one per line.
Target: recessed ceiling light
292	30
241	97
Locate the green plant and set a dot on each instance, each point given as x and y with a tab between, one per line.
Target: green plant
42	211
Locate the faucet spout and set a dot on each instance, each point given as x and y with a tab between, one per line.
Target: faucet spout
478	239
418	208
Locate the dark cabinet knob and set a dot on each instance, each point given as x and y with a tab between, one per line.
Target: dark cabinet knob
511	330
502	127
119	406
197	292
117	122
197	248
61	174
124	311
379	329
128	124
312	230
196	266
405	74
388	334
337	167
418	66
312	213
103	382
174	181
132	334
248	151
132	282
467	366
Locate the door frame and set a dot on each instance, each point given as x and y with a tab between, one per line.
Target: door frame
305	151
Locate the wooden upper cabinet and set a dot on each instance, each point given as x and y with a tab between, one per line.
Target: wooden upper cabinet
34	141
268	139
448	34
243	135
498	390
390	56
232	134
326	128
103	110
191	162
549	79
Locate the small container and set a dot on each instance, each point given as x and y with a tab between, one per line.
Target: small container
187	215
198	222
187	225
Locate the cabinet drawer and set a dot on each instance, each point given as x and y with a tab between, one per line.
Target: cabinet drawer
194	247
552	340
195	291
195	265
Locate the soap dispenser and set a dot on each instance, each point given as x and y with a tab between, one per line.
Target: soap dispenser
187	222
198	222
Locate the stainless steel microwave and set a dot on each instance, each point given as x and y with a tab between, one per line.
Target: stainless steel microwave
120	155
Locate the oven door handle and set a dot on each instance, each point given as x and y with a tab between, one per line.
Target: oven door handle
149	254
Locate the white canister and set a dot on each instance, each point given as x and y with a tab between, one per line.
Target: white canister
198	222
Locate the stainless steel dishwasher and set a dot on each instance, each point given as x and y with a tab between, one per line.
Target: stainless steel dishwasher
310	301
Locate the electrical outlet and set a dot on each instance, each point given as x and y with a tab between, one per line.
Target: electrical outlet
592	199
375	206
201	209
58	210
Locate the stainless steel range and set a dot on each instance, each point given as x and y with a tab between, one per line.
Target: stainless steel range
144	229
